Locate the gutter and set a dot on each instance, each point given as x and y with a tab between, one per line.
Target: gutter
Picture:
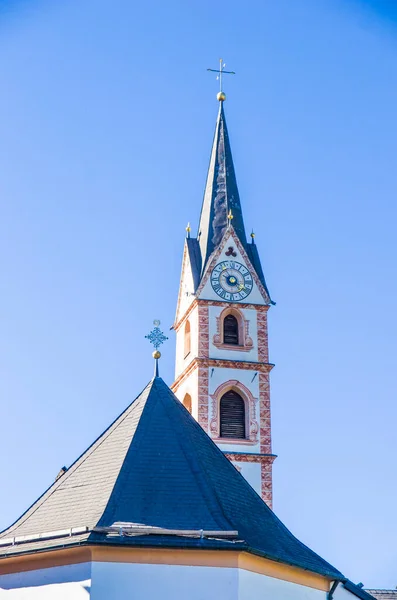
331	592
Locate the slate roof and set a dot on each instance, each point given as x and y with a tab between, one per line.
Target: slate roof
253	255
221	194
193	249
155	465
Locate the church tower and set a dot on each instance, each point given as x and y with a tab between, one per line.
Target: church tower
222	359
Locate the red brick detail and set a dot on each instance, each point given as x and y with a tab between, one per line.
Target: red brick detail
234	364
220	363
203	331
266	463
203	398
267	483
258	307
263	346
264	414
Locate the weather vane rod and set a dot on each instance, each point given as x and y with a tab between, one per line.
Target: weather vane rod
156	337
221	71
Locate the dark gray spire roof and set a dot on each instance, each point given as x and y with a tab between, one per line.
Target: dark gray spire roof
156	466
221	194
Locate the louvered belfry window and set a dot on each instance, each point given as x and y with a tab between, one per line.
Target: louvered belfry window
230	330
232	416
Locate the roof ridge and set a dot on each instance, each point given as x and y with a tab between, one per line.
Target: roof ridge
202	470
135	443
55	485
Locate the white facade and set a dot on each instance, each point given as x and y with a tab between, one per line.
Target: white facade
122	581
69	582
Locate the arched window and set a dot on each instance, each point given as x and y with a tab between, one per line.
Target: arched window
232	416
230	330
187	402
187	339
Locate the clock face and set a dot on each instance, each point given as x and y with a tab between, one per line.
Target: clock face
231	280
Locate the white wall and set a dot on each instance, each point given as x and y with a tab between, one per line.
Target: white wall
115	581
253	586
122	581
190	386
342	593
181	362
69	582
251	472
186	288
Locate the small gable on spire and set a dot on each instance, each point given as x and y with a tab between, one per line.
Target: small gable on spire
233	273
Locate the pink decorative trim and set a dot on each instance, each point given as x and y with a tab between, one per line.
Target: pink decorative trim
220	363
202	416
184	317
201	302
250	411
234	441
257	307
203	332
267	483
251	458
263	347
264	414
243	333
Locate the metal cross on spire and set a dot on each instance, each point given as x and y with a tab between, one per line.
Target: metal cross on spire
221	95
156	337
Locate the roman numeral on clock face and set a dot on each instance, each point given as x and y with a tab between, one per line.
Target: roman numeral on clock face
231	280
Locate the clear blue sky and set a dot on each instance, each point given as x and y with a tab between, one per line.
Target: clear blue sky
106	119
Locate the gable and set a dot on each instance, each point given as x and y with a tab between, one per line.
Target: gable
190	277
230	275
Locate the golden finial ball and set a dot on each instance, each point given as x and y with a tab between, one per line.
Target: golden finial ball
156	354
221	96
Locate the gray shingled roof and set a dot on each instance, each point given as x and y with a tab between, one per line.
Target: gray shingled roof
156	466
380	594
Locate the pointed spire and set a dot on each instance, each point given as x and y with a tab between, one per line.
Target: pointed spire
221	196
